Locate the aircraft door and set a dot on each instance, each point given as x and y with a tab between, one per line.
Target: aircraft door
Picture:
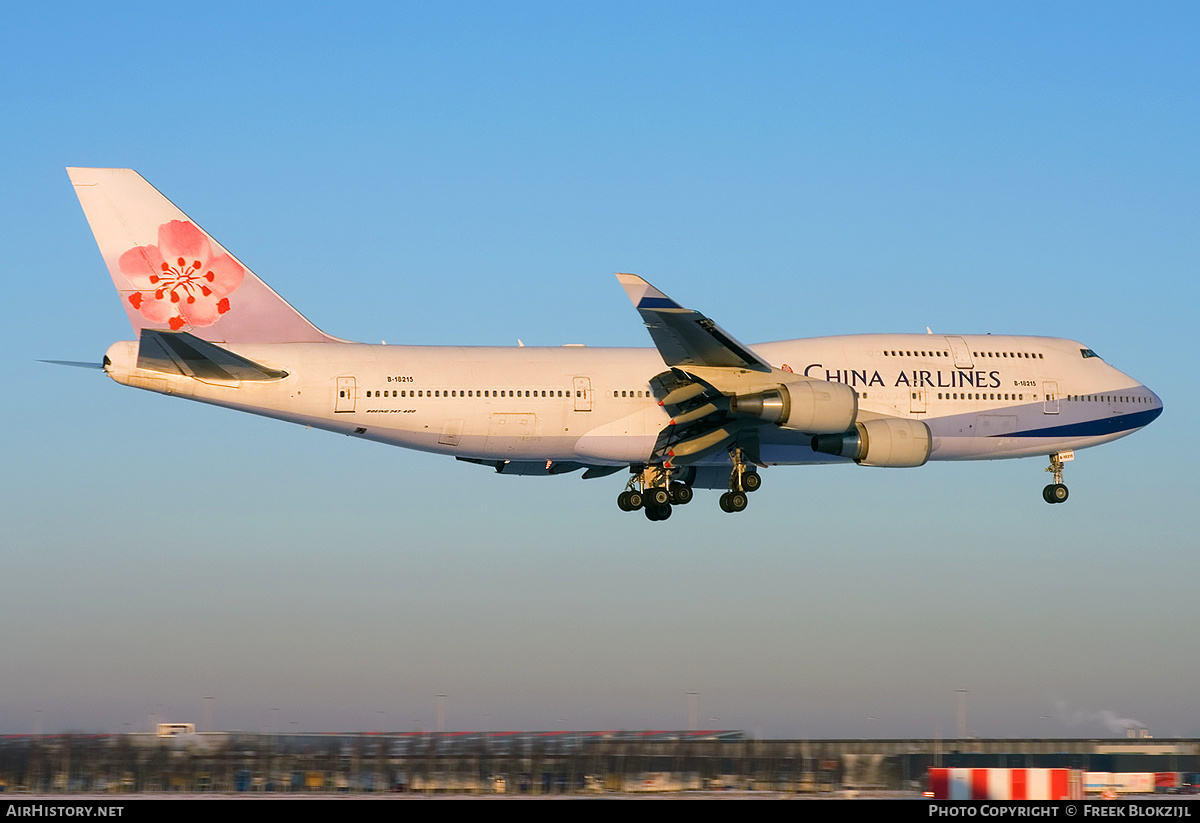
919	401
343	397
1050	389
583	394
451	432
960	351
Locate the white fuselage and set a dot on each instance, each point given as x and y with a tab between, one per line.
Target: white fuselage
983	397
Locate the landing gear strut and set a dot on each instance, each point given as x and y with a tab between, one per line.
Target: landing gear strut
1056	492
742	479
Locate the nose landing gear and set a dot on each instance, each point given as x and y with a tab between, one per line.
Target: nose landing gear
1056	492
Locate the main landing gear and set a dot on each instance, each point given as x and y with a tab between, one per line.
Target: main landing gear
655	490
742	480
1056	492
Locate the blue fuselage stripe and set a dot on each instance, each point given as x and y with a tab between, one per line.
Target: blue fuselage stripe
1092	428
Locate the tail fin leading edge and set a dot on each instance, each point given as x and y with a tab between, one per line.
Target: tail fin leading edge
171	275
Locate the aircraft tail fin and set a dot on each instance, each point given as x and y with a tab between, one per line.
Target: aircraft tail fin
171	275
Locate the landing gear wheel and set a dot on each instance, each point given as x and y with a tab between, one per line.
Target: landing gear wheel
733	502
681	495
751	482
658	496
1055	493
630	501
656	512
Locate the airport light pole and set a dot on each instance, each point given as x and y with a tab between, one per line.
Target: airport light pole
962	713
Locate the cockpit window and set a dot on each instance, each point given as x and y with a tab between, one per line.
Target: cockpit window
1088	353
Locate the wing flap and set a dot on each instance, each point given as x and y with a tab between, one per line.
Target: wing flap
542	468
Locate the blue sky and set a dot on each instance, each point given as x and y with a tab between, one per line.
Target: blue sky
474	173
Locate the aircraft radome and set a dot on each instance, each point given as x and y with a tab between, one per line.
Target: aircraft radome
701	410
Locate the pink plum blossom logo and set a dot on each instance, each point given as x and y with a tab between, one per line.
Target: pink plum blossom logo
179	282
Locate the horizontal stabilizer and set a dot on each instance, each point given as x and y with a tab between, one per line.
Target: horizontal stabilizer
183	353
77	364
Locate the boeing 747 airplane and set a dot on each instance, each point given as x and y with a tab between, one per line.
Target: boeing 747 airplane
701	410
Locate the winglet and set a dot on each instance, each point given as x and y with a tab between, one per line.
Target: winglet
685	337
643	295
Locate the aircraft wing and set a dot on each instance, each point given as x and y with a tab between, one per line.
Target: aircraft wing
685	337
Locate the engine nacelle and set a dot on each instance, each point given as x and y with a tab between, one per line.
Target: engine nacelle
888	442
816	406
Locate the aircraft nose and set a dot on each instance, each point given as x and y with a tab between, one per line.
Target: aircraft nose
1156	404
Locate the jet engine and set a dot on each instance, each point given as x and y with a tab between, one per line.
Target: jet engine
887	442
816	406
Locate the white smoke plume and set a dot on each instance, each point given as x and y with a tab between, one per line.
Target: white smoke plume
1115	724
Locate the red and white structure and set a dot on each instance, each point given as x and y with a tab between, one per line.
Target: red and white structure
1006	784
